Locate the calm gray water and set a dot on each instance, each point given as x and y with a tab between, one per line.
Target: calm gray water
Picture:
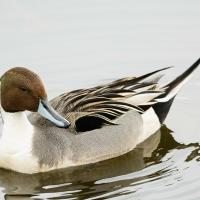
76	44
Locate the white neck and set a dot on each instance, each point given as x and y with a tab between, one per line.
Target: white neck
17	131
15	121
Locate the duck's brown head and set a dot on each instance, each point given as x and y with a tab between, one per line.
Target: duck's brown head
21	90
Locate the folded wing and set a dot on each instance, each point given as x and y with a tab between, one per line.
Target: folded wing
88	109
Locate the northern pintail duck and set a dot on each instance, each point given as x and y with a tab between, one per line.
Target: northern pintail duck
80	127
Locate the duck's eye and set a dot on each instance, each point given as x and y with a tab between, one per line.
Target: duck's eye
23	89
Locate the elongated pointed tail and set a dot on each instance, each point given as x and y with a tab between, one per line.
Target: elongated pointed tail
165	100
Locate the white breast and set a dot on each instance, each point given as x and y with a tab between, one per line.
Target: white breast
16	143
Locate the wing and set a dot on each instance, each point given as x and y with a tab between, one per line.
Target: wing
88	109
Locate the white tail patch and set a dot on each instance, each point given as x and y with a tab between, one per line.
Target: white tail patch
151	124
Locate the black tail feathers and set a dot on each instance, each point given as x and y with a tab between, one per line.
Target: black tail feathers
165	100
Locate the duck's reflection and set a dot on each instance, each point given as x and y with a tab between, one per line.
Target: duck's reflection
81	180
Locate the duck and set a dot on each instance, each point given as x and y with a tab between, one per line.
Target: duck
83	126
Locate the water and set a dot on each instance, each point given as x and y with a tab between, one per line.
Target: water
74	44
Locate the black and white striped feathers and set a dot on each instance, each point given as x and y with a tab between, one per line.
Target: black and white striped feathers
88	109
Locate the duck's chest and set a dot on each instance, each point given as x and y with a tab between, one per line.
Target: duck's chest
16	149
